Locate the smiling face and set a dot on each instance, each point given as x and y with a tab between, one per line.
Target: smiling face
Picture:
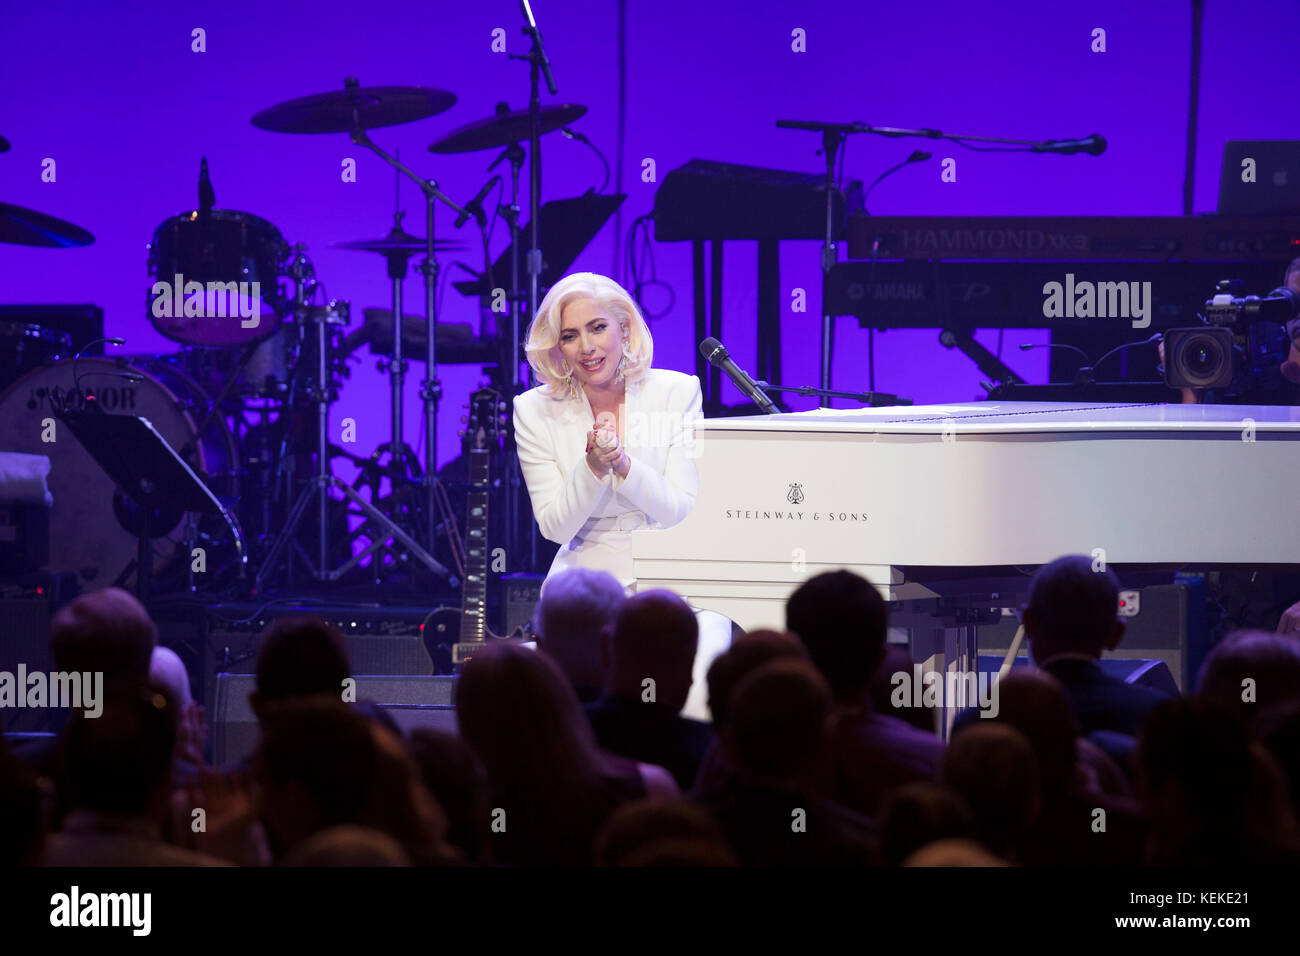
591	341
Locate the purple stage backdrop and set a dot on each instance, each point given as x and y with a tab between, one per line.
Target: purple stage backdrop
116	96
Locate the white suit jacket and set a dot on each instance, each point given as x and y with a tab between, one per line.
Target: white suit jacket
593	518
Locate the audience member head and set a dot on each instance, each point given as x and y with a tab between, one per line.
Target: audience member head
644	823
897	660
1036	704
574	621
1249	673
954	852
1072	609
348	845
916	815
776	723
991	766
655	637
747	654
108	632
167	673
843	621
1194	775
314	765
522	717
120	762
456	778
299	657
400	805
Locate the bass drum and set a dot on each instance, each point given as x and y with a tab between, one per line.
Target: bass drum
90	530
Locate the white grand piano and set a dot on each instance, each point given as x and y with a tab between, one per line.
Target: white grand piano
911	496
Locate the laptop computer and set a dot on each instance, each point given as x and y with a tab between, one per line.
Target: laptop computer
1275	190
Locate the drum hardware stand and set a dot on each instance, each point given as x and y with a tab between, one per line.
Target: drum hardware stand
322	482
430	388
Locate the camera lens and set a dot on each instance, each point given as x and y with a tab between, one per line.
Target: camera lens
1200	360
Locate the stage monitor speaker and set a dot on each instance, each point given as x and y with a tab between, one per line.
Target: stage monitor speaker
413	702
381	640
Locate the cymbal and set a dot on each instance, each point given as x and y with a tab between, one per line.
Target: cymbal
341	111
505	127
26	227
398	242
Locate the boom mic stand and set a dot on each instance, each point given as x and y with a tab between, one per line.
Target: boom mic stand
430	388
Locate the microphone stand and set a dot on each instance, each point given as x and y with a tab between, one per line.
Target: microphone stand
538	63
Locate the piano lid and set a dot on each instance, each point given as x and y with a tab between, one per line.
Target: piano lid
1022	417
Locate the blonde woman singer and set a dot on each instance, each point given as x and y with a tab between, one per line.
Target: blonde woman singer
604	441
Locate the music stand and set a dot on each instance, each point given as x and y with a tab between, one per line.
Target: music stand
145	468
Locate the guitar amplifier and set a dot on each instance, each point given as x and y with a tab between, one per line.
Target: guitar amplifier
381	640
412	702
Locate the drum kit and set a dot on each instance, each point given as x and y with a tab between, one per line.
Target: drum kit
246	404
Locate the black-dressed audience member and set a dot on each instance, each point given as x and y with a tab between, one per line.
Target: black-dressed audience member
574	622
648	831
652	658
116	778
22	814
551	787
107	632
770	812
456	778
747	654
1197	777
916	815
992	767
1250	673
1071	618
321	765
843	621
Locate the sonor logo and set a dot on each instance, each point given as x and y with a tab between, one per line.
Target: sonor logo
1101	300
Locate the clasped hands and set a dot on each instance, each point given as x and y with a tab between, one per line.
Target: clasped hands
607	457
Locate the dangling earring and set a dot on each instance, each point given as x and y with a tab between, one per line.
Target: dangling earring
622	362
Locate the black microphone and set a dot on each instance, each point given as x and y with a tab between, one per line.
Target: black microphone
207	198
718	356
1280	305
1094	144
918	156
475	205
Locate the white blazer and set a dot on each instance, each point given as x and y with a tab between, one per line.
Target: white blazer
593	518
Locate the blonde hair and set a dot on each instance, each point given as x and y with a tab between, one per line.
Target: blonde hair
542	344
